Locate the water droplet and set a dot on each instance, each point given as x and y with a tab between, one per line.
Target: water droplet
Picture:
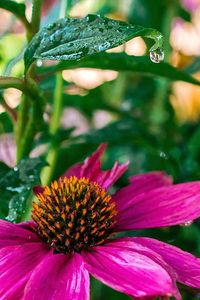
39	63
15	169
187	224
157	55
104	46
163	155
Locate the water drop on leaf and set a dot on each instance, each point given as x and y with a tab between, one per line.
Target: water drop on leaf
157	55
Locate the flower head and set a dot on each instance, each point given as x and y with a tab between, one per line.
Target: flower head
70	237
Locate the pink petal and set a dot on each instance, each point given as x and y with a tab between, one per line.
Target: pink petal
91	168
140	184
59	277
185	264
128	271
16	266
165	206
12	234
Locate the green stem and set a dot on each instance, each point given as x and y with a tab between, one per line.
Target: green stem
8	109
158	109
29	119
36	15
57	105
11	82
51	158
23	115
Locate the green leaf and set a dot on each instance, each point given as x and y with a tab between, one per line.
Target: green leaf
72	39
16	187
18	9
124	62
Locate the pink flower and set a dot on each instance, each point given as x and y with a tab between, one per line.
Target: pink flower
71	237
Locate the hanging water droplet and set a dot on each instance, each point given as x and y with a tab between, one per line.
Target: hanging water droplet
157	55
187	224
15	169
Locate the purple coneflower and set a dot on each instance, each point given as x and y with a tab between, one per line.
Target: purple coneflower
51	257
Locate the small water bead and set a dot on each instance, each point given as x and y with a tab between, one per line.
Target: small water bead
39	63
187	224
157	56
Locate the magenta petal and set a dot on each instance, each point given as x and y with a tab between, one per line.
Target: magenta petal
91	168
140	184
59	277
165	206
149	181
185	264
16	265
128	271
38	190
12	234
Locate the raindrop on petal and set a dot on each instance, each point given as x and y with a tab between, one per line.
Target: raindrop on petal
187	224
157	55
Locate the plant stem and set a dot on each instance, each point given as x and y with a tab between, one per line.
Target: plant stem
36	15
8	109
57	105
11	82
51	158
28	118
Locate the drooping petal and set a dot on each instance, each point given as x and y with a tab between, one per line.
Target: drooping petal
59	277
91	168
16	265
185	264
12	234
128	271
165	206
140	184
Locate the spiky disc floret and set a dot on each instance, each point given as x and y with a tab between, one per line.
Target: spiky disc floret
74	214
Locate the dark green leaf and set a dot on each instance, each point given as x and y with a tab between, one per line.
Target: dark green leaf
18	9
72	39
124	62
16	186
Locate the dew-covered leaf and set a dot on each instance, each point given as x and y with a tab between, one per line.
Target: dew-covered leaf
16	186
18	9
72	39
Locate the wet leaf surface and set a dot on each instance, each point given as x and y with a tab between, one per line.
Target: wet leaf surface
73	39
16	186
